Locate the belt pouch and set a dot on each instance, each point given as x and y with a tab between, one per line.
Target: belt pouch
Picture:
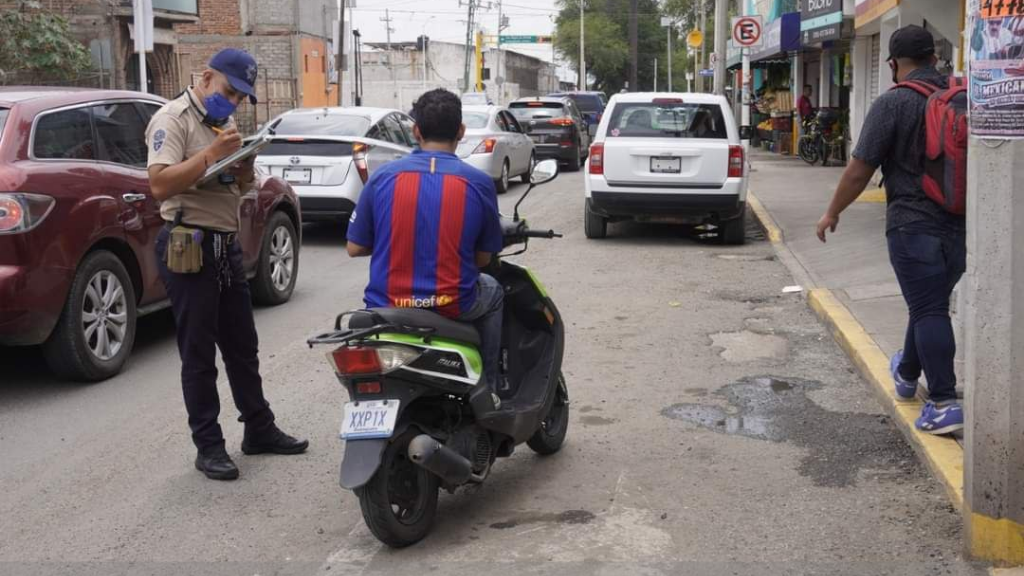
185	250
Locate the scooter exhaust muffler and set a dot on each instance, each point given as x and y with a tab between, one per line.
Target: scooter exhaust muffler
438	459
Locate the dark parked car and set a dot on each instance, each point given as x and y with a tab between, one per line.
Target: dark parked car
78	227
557	128
591	105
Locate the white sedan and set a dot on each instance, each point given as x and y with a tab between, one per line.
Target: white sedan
327	154
496	144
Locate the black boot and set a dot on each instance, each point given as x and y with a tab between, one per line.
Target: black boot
217	465
272	441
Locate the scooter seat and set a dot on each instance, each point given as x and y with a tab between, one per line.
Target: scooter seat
443	327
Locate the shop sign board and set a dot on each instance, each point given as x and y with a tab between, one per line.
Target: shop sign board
868	11
996	72
821	21
781	36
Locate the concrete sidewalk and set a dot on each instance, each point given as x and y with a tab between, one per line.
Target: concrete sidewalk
850	284
854	264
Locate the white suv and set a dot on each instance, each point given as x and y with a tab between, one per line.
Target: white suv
667	158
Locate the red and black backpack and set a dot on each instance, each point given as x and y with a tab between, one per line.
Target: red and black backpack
945	127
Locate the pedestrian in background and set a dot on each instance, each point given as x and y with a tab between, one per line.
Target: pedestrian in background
209	293
804	105
927	244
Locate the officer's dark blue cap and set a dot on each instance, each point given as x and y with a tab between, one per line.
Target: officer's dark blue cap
240	68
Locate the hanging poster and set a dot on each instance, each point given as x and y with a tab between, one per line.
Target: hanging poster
996	72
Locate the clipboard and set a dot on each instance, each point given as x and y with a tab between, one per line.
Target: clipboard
252	147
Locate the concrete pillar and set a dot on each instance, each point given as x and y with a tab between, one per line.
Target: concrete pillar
797	74
859	92
825	80
994	353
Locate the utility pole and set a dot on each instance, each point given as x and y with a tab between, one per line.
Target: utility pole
669	31
581	81
655	74
499	79
469	43
633	44
721	43
391	64
703	30
993	329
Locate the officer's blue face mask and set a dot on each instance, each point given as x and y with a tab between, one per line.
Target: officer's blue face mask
218	107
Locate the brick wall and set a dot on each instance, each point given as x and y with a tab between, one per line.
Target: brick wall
215	17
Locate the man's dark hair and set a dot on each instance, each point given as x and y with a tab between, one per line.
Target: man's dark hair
438	114
808	87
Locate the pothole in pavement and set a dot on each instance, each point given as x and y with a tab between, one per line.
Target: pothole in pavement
838	444
746	346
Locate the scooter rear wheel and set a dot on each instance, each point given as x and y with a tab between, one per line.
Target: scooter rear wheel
399	503
549	438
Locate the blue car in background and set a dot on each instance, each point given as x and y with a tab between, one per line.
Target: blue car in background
591	104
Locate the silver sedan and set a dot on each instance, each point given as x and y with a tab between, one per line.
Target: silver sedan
496	144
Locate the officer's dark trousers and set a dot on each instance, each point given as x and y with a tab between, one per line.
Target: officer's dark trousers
212	314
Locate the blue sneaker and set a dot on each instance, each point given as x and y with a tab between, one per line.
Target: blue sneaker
944	420
905	389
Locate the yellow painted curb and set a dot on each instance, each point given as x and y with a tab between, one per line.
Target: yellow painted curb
875	196
770	227
942	454
1000	541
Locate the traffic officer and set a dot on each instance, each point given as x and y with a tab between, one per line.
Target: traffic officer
212	306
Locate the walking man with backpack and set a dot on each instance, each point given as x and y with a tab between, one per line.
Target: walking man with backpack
916	133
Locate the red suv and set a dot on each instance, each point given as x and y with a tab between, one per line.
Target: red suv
78	227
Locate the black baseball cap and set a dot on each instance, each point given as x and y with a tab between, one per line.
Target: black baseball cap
911	41
240	68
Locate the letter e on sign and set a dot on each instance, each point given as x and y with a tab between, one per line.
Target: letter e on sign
747	31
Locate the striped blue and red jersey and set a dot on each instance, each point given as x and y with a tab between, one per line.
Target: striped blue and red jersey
425	217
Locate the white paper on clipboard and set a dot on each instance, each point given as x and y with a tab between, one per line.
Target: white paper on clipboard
253	147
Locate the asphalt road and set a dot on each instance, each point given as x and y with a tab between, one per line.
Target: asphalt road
715	429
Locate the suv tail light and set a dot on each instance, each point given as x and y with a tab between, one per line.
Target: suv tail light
562	121
22	212
486	146
597	158
359	151
735	161
363	360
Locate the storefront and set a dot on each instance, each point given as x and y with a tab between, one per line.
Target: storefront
774	100
875	22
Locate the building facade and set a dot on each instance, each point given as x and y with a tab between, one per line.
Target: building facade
289	38
396	78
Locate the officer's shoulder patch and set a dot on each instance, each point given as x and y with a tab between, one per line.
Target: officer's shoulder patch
158	139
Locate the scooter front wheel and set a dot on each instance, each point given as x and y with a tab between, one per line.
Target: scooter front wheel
399	503
808	150
549	438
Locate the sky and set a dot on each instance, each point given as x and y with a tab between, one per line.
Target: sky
440	20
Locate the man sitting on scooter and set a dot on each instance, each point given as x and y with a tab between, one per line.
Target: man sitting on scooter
429	222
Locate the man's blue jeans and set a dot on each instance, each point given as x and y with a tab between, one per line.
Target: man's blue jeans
486	316
928	264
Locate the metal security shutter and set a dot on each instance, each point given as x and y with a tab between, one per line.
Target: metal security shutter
876	55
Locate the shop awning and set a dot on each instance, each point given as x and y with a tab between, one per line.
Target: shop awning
782	36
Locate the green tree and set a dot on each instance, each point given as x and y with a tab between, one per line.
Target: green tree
36	45
607	40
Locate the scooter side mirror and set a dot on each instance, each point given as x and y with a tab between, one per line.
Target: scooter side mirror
544	172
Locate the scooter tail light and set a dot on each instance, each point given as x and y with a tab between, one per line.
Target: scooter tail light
486	146
363	360
359	151
20	212
736	161
597	158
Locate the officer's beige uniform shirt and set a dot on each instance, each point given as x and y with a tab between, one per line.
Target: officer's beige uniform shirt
175	134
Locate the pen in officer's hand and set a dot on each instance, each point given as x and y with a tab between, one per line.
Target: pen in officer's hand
216	130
